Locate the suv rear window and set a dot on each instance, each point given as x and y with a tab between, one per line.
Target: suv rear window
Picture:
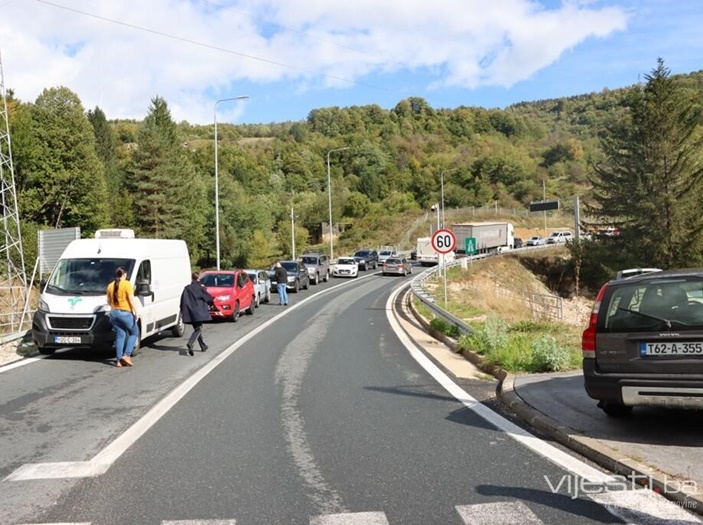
310	260
655	305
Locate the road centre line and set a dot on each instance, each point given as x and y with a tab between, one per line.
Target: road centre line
102	461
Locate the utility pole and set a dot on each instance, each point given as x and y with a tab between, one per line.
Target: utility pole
13	284
292	231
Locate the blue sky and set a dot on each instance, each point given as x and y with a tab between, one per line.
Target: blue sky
293	56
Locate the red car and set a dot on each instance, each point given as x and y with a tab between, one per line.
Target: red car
233	292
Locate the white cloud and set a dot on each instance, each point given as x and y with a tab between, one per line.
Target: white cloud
194	52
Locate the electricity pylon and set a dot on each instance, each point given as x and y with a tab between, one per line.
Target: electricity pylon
13	279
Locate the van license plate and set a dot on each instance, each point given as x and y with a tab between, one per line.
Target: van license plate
665	349
63	340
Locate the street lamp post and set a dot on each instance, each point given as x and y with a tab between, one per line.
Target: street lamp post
217	184
329	195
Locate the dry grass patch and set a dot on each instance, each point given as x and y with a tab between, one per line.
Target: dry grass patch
493	297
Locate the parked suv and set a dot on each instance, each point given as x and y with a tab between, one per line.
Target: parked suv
560	237
298	276
318	265
367	259
232	291
644	341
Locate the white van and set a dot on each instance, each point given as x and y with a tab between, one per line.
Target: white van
73	310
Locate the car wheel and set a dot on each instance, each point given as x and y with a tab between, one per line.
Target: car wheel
258	300
614	409
46	351
267	299
235	314
179	329
316	280
252	305
307	284
296	287
327	276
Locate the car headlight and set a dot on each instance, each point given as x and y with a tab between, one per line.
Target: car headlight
43	306
223	297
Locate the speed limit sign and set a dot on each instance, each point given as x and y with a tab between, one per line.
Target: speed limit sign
443	241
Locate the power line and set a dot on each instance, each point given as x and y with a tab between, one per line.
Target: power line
201	44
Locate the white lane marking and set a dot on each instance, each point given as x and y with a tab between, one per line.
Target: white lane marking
289	376
519	434
200	522
21	362
503	513
105	458
643	507
544	449
351	518
72	523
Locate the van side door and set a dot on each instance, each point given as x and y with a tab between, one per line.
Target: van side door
143	289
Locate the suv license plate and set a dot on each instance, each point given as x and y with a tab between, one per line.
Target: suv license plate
666	349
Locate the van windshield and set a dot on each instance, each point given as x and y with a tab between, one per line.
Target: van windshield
85	276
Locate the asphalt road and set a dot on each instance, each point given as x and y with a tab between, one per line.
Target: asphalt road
322	416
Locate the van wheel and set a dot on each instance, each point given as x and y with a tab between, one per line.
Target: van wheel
138	343
46	351
614	409
179	329
235	315
250	310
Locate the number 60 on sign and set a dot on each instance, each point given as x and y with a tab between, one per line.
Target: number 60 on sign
443	241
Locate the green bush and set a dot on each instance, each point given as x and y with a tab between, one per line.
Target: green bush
516	348
548	356
444	327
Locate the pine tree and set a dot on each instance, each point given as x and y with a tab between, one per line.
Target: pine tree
168	194
650	182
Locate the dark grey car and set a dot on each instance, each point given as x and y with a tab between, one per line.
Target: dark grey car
644	342
367	259
298	276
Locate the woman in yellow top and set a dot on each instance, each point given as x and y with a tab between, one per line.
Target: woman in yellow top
124	314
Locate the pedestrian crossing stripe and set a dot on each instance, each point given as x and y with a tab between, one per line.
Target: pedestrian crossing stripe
501	513
639	506
351	518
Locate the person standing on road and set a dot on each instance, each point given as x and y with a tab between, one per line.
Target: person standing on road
124	315
194	310
281	276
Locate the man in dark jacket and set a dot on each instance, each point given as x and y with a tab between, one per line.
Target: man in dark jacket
281	276
195	311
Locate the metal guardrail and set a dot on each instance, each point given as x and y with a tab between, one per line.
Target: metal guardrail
418	289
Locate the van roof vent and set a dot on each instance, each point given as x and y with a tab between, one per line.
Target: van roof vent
114	233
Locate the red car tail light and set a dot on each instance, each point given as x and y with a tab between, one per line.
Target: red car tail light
588	338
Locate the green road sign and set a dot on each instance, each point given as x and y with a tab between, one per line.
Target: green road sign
470	245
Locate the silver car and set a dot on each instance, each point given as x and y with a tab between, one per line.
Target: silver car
397	266
262	285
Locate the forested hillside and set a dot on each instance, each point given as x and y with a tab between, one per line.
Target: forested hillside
79	167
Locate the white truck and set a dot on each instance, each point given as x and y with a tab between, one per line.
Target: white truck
490	236
73	310
426	254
